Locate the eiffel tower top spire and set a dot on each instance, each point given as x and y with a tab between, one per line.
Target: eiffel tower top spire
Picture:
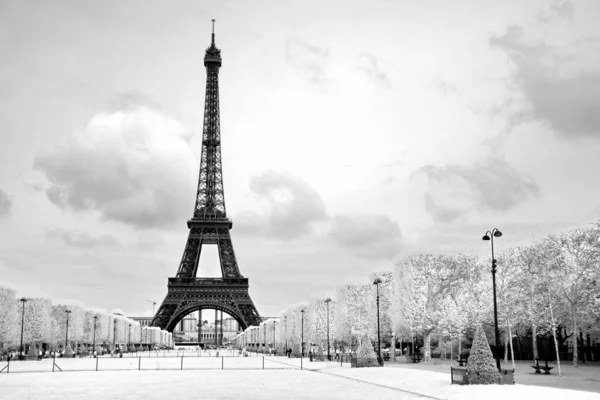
213	33
210	197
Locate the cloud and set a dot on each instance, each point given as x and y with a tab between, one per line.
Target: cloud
559	10
558	85
494	186
369	236
308	58
292	206
5	204
133	165
372	66
81	239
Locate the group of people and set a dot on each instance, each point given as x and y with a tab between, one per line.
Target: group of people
14	355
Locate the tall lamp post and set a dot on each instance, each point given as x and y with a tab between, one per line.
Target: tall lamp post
302	334
327	301
490	236
114	335
68	350
376	283
274	344
285	331
94	340
129	340
23	300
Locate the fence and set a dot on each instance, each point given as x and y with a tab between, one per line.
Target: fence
146	363
460	376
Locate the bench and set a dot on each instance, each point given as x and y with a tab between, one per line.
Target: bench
537	367
462	361
386	356
416	358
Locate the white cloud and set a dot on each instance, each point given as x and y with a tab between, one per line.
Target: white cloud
133	165
291	207
5	204
369	236
456	190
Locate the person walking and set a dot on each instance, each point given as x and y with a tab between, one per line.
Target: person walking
337	354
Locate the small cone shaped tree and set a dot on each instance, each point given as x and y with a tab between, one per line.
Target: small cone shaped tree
481	367
365	354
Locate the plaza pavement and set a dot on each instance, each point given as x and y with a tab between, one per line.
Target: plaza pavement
281	379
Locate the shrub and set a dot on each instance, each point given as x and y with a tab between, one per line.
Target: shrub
365	354
481	367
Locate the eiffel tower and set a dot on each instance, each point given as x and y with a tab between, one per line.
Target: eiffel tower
209	225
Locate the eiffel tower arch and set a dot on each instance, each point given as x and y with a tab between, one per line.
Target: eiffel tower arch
209	225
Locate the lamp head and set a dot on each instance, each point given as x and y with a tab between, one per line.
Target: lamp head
485	237
95	317
23	299
302	311
497	233
377	281
68	311
327	300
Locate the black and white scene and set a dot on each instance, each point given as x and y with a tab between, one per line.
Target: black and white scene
300	199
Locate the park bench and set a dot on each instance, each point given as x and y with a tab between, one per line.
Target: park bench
416	358
537	367
462	361
386	356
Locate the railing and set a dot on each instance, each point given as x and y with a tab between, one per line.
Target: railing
145	363
460	376
208	281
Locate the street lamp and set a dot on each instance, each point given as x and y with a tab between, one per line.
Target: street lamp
23	300
376	283
129	340
274	344
114	335
328	300
285	331
490	236
302	335
68	350
94	340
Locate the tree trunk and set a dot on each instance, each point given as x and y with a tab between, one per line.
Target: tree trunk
459	346
427	346
533	327
574	338
512	351
505	347
393	349
555	342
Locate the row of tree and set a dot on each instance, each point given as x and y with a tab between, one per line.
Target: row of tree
42	321
550	287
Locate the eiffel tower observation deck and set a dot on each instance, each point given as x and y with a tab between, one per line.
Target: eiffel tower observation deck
209	225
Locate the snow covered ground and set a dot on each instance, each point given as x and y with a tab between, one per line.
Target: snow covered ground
318	380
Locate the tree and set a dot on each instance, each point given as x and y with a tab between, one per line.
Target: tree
8	315
481	367
317	323
577	256
434	277
38	321
365	354
352	320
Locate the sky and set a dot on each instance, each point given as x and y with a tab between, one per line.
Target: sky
353	134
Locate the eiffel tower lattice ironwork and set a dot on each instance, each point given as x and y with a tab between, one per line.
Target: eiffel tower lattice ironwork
209	225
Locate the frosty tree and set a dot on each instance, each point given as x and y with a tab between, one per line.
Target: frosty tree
8	315
38	321
481	367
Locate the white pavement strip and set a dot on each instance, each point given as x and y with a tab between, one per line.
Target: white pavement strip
438	385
